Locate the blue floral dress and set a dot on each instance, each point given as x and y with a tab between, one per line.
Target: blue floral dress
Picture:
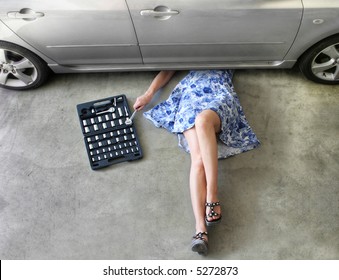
203	90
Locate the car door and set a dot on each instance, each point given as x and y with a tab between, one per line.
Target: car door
217	31
74	32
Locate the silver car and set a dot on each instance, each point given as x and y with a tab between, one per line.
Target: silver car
75	36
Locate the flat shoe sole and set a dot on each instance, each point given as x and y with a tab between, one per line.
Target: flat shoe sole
213	222
200	247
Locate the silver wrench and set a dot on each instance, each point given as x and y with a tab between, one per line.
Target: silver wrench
110	110
129	121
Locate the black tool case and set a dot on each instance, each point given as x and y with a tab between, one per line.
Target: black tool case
108	139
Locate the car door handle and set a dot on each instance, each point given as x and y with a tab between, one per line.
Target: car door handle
26	14
160	12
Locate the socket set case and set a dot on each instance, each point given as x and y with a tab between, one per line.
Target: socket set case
107	138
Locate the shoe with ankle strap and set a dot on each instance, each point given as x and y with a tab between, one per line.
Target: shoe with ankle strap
212	214
200	243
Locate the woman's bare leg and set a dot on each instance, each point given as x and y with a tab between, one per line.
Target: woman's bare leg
207	124
202	142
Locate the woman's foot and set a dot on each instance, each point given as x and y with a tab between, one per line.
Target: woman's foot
213	213
200	243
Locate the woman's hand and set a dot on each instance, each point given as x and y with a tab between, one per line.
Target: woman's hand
142	101
159	81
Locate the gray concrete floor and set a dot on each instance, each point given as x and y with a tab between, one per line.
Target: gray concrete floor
280	201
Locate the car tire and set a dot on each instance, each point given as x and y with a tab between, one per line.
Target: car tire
321	62
20	69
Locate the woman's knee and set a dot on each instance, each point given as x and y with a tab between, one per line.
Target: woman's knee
208	119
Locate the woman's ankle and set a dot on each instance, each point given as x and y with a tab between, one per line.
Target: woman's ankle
212	194
201	227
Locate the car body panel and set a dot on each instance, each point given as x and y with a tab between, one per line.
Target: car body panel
216	31
320	21
111	35
77	31
8	35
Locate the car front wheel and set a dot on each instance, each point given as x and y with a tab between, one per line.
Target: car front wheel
321	62
20	68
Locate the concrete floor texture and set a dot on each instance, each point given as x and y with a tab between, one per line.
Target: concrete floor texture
280	201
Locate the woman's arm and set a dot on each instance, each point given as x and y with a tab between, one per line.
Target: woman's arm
159	81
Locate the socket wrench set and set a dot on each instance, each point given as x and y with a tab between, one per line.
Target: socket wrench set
109	134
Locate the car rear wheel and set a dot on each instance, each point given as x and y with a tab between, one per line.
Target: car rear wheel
20	68
321	62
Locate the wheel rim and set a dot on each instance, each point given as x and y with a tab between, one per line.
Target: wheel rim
16	70
326	63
